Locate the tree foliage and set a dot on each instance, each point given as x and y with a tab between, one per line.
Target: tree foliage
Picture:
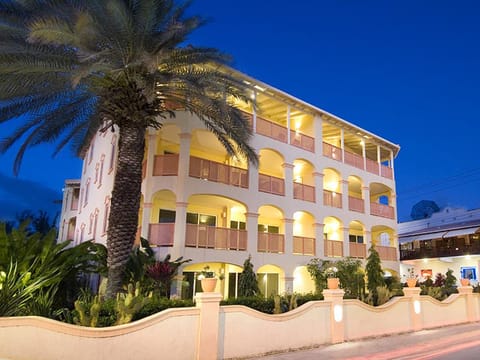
375	274
247	283
70	68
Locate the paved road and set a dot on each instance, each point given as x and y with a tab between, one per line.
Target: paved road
461	342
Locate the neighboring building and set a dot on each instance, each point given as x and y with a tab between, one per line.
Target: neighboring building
68	216
449	239
324	188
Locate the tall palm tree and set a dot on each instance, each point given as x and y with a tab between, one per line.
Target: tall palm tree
71	68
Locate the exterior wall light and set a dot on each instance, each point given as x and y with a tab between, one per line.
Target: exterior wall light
338	313
416	307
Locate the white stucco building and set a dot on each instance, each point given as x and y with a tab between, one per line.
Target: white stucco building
324	188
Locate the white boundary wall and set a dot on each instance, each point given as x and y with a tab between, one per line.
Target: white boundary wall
210	331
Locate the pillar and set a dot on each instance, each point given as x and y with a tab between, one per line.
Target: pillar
337	327
288	224
470	302
367	238
319	240
252	231
346	241
318	123
208	324
183	164
318	188
151	152
342	144
345	205
415	307
146	216
179	230
366	199
288	175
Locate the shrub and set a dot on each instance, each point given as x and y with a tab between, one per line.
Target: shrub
265	305
157	304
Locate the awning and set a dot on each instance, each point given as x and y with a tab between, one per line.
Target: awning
431	236
461	232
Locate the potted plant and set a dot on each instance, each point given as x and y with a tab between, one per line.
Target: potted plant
465	282
208	279
412	278
332	279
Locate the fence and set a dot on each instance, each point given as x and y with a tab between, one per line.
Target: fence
210	331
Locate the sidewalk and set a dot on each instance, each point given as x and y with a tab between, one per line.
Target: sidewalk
421	344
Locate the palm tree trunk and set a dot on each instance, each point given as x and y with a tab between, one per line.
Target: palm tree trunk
126	193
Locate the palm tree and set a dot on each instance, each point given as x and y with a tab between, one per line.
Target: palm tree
71	68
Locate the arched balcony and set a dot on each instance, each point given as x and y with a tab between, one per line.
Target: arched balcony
271	230
357	240
271	178
303	233
332	195
333	237
381	201
383	237
355	198
303	180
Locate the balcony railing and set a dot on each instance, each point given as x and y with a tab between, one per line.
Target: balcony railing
333	248
271	184
218	172
354	160
385	211
332	152
372	166
303	192
332	198
444	251
161	234
387	253
203	236
356	204
302	141
165	165
387	172
303	245
271	129
271	243
358	250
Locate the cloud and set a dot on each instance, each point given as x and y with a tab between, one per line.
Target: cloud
18	194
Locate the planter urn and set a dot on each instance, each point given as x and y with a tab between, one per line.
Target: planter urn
412	282
208	284
332	283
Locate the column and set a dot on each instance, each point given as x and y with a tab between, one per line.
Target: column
318	188
364	155
345	204
393	203
342	144
337	327
415	307
288	174
289	126
470	302
288	224
253	176
151	152
346	241
367	238
254	112
207	337
318	135
319	240
379	161
252	232
391	165
366	199
146	216
183	160
179	230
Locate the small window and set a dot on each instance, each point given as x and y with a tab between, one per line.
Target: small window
237	225
268	229
208	220
192	218
166	216
356	239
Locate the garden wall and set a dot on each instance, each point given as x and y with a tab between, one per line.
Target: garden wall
210	331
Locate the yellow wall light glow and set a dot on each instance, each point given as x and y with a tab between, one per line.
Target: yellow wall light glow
338	313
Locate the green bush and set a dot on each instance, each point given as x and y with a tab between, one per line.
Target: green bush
265	305
304	298
157	304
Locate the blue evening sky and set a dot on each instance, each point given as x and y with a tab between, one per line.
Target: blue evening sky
405	70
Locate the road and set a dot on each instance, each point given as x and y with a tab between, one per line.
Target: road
460	342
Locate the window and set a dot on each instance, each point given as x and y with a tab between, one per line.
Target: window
384	239
81	201
268	284
383	200
87	188
268	229
356	238
90	224
100	175
193	218
106	215
166	216
468	273
241	225
97	168
92	147
95	222
112	153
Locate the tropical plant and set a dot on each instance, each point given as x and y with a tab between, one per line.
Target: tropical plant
59	265
375	274
247	283
352	277
135	271
318	272
72	68
163	272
